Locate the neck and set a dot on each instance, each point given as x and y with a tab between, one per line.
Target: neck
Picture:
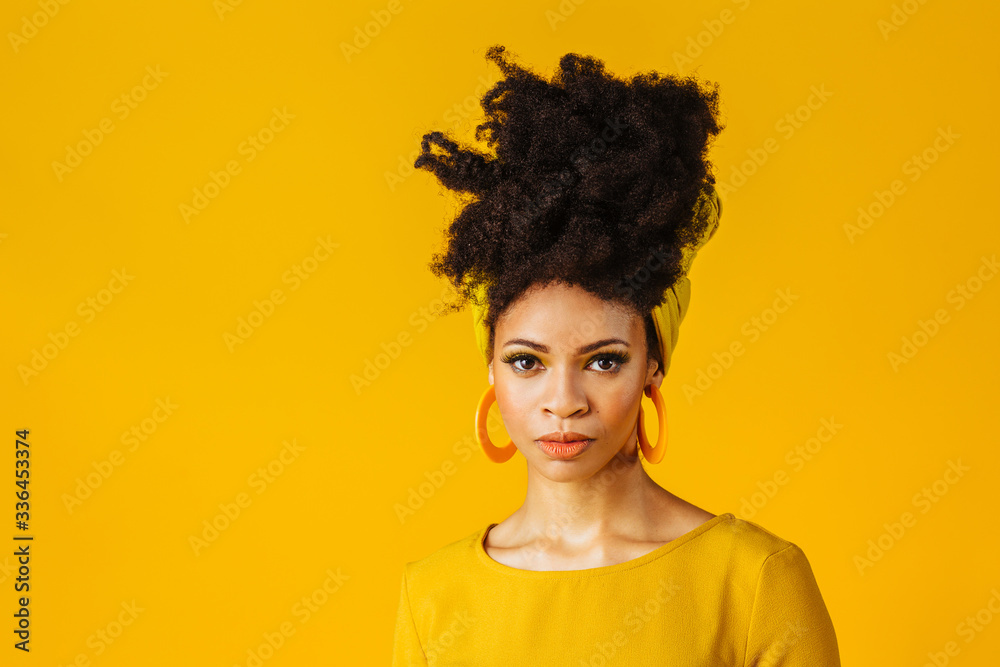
579	515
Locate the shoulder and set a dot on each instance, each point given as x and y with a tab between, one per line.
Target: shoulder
446	563
750	542
771	572
735	538
775	569
788	612
725	532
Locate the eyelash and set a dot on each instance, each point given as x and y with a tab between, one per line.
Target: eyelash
621	358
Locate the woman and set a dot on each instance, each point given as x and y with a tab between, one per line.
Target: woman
573	251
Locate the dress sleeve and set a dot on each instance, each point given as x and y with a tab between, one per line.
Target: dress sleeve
789	624
406	644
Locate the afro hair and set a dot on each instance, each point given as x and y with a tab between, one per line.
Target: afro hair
591	181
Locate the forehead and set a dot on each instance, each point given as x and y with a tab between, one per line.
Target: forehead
558	314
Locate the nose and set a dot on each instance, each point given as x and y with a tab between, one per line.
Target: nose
564	395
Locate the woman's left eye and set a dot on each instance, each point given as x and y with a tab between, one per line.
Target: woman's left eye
608	363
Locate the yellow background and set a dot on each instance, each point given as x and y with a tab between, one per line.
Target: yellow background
339	171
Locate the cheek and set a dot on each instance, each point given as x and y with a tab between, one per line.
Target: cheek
618	411
514	406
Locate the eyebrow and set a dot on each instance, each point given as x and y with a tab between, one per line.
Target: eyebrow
582	350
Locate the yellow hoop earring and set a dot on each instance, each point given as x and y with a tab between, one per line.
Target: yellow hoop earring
653	454
494	453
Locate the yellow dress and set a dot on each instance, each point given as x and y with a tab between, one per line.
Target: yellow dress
727	593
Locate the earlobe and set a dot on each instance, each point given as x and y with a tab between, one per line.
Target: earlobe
490	377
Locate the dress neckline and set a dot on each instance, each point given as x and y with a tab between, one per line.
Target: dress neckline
648	557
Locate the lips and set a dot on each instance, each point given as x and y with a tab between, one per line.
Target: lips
564	444
563	436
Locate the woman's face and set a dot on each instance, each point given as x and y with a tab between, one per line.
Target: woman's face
567	364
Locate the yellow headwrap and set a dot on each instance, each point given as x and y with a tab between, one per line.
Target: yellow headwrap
667	316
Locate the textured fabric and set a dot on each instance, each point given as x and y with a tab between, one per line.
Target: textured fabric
728	593
667	316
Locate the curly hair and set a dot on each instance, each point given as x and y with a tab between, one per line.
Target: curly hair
594	183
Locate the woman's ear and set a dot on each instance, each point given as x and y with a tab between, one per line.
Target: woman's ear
491	373
654	374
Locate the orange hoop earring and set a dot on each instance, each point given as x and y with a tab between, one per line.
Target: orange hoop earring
494	453
653	454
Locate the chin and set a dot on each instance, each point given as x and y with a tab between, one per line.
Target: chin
584	466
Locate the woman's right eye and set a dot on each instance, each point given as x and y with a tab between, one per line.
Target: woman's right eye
522	362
